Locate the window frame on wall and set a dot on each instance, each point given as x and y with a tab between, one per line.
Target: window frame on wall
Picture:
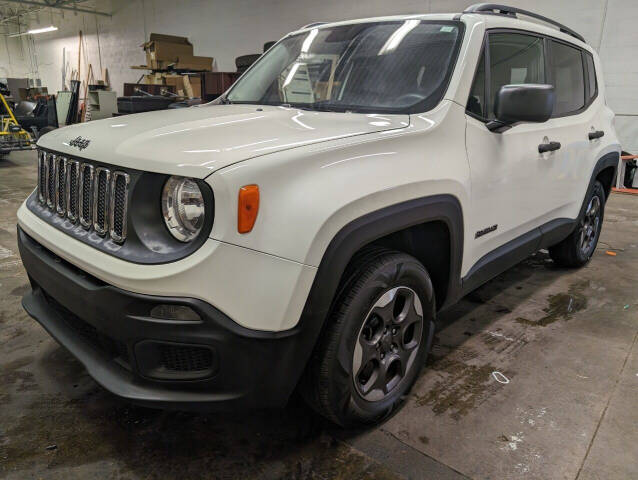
485	54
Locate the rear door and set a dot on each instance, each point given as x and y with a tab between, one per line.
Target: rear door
568	172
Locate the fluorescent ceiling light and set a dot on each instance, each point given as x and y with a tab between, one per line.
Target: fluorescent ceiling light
42	30
397	37
36	30
305	47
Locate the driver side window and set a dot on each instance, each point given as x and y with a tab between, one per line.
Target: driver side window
512	58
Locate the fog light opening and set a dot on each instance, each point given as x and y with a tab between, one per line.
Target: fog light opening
179	313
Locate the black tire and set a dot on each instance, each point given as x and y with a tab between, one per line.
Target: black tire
328	384
45	130
571	252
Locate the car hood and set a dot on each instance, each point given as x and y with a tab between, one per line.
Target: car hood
196	141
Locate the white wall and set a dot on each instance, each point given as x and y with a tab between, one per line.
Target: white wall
14	60
225	29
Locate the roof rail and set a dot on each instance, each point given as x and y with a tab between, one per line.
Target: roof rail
495	9
310	25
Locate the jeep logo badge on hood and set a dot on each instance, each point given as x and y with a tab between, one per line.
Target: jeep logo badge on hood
80	143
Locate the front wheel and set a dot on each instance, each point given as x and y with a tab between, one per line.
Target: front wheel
579	246
375	342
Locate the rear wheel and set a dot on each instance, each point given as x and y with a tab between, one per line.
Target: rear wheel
376	340
577	249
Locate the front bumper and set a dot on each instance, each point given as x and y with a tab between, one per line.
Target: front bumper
216	363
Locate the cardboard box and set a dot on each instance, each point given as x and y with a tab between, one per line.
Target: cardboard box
196	85
154	79
164	52
161	50
176	80
198	64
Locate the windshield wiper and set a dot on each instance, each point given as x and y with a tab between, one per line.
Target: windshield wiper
322	106
224	101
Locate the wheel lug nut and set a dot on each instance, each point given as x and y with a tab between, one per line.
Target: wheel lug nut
394	331
394	347
382	355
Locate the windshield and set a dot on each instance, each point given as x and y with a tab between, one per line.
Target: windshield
394	67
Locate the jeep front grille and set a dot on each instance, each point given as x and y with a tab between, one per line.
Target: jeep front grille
96	197
50	167
86	195
42	177
101	200
60	185
72	189
119	187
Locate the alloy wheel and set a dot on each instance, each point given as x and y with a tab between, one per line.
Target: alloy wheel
589	226
387	343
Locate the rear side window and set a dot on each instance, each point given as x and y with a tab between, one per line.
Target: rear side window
591	74
513	59
568	78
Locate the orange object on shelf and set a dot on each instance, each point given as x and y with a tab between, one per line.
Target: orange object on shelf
630	191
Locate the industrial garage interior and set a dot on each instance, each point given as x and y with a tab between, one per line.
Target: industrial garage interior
531	373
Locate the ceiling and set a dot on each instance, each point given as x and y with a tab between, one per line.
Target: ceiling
19	12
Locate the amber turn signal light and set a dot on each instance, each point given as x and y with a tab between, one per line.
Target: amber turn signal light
248	208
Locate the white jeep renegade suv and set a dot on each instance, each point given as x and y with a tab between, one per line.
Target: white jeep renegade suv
305	228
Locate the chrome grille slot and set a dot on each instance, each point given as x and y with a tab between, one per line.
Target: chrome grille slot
42	177
86	195
72	189
119	197
101	200
60	185
94	196
50	170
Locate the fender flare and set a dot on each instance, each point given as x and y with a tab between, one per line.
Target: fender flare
374	225
610	159
362	231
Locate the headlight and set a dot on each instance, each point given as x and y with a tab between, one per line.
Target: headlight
183	208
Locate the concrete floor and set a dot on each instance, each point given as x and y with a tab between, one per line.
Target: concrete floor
566	406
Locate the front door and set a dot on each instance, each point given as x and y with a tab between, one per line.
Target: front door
511	181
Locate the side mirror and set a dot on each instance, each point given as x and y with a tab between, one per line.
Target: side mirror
522	103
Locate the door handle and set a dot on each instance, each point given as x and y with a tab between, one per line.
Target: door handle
596	134
548	147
